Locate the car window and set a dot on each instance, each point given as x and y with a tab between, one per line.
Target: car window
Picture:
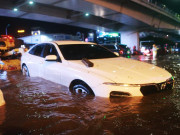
37	50
2	44
32	50
50	50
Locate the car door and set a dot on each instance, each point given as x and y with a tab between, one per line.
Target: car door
51	69
35	61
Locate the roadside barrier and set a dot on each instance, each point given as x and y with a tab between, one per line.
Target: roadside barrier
2	102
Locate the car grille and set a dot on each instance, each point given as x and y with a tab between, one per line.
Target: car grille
155	88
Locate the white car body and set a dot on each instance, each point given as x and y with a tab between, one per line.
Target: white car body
107	75
2	102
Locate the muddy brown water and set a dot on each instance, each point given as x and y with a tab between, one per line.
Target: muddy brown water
37	106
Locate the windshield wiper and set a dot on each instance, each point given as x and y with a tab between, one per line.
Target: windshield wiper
87	62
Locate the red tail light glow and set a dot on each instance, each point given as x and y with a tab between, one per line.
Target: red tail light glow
121	52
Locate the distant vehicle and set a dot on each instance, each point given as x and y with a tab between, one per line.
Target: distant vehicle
112	48
6	43
8	49
125	51
122	50
146	52
146	47
90	69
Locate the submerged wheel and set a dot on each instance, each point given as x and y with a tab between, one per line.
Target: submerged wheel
25	71
81	89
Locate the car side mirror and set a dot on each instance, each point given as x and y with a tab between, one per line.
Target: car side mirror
51	58
116	53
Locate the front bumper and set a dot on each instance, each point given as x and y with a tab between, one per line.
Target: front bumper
133	90
155	88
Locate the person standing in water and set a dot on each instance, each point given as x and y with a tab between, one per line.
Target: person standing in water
154	51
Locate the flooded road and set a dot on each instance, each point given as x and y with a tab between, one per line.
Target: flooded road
36	106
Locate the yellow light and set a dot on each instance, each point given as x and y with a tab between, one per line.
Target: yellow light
21	31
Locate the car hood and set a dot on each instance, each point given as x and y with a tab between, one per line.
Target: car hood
123	70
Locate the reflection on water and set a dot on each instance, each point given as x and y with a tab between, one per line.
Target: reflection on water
2	114
3	75
36	106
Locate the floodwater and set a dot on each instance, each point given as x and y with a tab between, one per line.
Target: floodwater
36	106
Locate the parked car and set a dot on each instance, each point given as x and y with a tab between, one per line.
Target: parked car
125	51
146	51
122	50
90	69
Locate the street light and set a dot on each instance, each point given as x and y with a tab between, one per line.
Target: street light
7	27
87	14
31	2
15	9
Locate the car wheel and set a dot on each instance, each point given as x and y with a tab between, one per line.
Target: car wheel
81	89
25	70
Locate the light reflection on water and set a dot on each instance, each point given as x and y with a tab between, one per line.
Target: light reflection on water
37	106
3	75
2	114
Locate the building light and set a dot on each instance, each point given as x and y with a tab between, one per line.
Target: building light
21	31
37	32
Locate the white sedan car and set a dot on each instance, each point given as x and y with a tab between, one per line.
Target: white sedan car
89	69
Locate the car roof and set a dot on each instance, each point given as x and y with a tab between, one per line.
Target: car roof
70	42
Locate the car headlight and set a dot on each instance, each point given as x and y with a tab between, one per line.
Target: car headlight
122	84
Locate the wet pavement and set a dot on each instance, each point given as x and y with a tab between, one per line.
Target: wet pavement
36	106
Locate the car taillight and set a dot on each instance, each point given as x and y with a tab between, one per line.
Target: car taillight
9	37
121	52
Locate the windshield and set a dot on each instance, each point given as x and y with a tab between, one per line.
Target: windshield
89	51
